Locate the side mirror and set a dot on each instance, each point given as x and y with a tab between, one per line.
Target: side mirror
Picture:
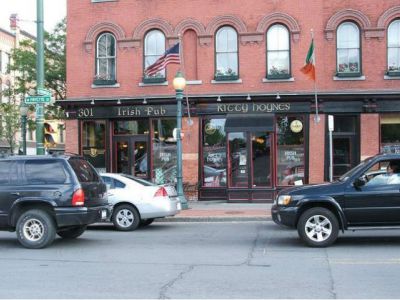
359	182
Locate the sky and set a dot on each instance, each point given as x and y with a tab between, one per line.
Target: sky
54	11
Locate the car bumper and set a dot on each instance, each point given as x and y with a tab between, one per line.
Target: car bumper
160	208
284	215
69	216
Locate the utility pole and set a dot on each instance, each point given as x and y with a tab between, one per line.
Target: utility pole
39	77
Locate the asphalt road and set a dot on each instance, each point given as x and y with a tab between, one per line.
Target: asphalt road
202	260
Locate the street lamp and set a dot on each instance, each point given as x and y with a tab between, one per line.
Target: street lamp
179	84
23	110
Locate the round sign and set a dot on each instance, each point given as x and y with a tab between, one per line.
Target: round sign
209	128
296	126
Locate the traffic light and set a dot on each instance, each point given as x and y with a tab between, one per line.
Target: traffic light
49	140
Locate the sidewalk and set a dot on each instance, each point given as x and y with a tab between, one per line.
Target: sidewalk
219	211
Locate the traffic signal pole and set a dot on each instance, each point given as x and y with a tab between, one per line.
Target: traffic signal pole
39	76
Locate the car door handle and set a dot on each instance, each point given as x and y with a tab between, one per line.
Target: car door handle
16	194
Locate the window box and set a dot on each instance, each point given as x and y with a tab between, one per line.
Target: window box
154	79
226	77
104	81
278	76
349	74
393	73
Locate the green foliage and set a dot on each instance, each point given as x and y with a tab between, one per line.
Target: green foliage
11	124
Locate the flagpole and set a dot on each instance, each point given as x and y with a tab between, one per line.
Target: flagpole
316	118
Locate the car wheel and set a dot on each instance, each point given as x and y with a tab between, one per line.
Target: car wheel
35	229
318	227
72	233
146	222
126	218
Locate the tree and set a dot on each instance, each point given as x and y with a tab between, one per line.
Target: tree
11	124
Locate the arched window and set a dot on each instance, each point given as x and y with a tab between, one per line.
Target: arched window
154	48
393	51
348	50
278	52
105	59
226	54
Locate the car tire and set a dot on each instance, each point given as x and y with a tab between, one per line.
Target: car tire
318	227
35	229
146	222
72	233
126	218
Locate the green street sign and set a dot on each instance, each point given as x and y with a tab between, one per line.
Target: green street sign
43	92
37	99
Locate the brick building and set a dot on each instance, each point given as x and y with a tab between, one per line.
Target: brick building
250	115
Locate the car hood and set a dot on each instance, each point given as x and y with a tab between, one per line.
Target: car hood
313	189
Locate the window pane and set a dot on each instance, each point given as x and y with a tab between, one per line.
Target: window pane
131	127
6	171
345	124
164	151
278	38
93	143
394	59
155	43
102	46
390	138
110	45
348	36
111	68
290	146
348	60
278	62
214	153
83	170
45	172
261	148
394	34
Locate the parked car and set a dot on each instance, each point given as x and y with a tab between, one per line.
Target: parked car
136	202
44	195
363	198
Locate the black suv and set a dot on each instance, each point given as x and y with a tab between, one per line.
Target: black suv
366	197
44	195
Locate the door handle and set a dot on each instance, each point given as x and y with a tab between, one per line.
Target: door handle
16	194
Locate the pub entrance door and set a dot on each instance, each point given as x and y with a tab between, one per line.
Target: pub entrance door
250	161
131	156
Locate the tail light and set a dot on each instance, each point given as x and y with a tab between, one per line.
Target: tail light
161	192
78	199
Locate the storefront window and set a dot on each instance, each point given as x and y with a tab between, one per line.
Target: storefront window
390	134
131	127
164	151
290	147
93	143
214	153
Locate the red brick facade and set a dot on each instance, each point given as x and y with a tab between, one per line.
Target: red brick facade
197	23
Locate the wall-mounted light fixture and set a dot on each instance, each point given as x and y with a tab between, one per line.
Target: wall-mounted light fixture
92	102
248	97
277	96
119	102
144	101
219	99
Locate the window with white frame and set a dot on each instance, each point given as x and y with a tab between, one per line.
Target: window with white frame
278	52
105	59
348	50
226	54
154	48
393	51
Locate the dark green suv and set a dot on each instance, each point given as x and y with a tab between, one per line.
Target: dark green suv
41	196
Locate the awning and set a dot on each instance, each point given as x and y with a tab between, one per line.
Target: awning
250	122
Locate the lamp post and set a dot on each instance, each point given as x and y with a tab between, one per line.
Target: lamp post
23	110
179	85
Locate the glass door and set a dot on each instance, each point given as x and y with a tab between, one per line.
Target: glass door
131	156
261	159
238	154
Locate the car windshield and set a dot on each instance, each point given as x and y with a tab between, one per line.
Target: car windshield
138	180
350	173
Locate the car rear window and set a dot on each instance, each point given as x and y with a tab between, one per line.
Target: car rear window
84	170
138	180
45	172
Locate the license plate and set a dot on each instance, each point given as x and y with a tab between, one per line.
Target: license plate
103	214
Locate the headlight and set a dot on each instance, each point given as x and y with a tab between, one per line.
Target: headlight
284	199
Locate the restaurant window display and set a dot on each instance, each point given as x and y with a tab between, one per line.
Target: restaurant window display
214	153
164	151
390	134
93	143
290	150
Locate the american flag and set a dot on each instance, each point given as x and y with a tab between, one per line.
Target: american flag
171	56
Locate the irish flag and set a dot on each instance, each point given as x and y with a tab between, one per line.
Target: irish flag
309	67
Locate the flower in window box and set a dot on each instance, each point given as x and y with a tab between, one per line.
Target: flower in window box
103	79
353	67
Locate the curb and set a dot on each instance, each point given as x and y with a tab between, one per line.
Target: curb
212	219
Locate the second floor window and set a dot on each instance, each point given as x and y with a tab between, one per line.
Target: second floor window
226	52
105	59
348	50
154	48
394	48
278	52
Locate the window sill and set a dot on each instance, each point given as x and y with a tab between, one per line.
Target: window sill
98	1
194	82
269	80
391	77
226	81
336	78
144	84
115	85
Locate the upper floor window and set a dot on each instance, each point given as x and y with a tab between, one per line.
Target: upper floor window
348	50
226	52
394	48
154	48
105	60
278	52
5	59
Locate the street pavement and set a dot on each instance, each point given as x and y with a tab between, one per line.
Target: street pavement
217	211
